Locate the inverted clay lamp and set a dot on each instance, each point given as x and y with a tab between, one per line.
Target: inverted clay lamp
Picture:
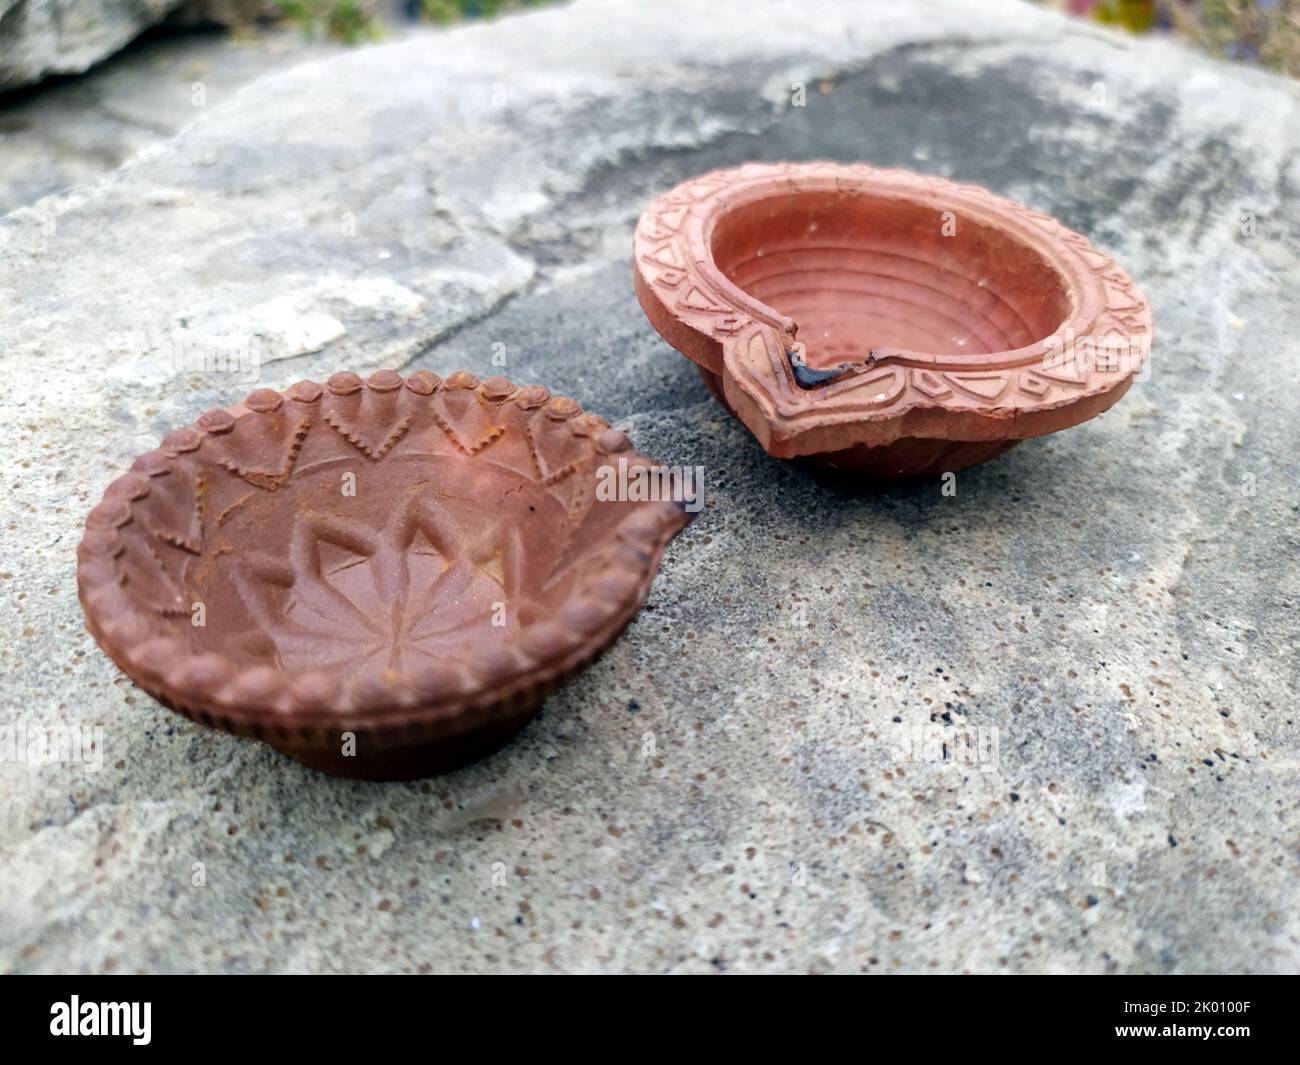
885	323
382	578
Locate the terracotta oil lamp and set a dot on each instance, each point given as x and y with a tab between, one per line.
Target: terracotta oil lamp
884	323
383	578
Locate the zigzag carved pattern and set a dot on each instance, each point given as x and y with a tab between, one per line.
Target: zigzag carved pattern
664	254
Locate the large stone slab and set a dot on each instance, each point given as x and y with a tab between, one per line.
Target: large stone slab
731	788
80	129
42	37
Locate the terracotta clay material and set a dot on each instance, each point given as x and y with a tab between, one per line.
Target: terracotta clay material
886	323
416	562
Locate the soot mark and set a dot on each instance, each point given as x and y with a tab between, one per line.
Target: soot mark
806	376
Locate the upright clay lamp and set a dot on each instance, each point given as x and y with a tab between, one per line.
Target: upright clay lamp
887	324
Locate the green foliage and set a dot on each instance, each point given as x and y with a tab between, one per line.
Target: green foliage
352	21
444	11
1243	29
1136	16
1253	31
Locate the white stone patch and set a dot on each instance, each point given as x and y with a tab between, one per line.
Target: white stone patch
381	295
507	207
229	344
1127	800
283	326
279	328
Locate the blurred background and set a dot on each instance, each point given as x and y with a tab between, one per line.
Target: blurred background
85	84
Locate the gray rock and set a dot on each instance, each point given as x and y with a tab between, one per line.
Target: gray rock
41	37
729	788
75	131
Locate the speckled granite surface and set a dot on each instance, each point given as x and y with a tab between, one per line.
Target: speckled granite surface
1110	613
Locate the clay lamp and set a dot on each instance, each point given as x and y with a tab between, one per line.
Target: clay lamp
887	324
382	578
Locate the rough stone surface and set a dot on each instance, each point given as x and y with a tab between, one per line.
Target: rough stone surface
41	37
80	129
729	789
